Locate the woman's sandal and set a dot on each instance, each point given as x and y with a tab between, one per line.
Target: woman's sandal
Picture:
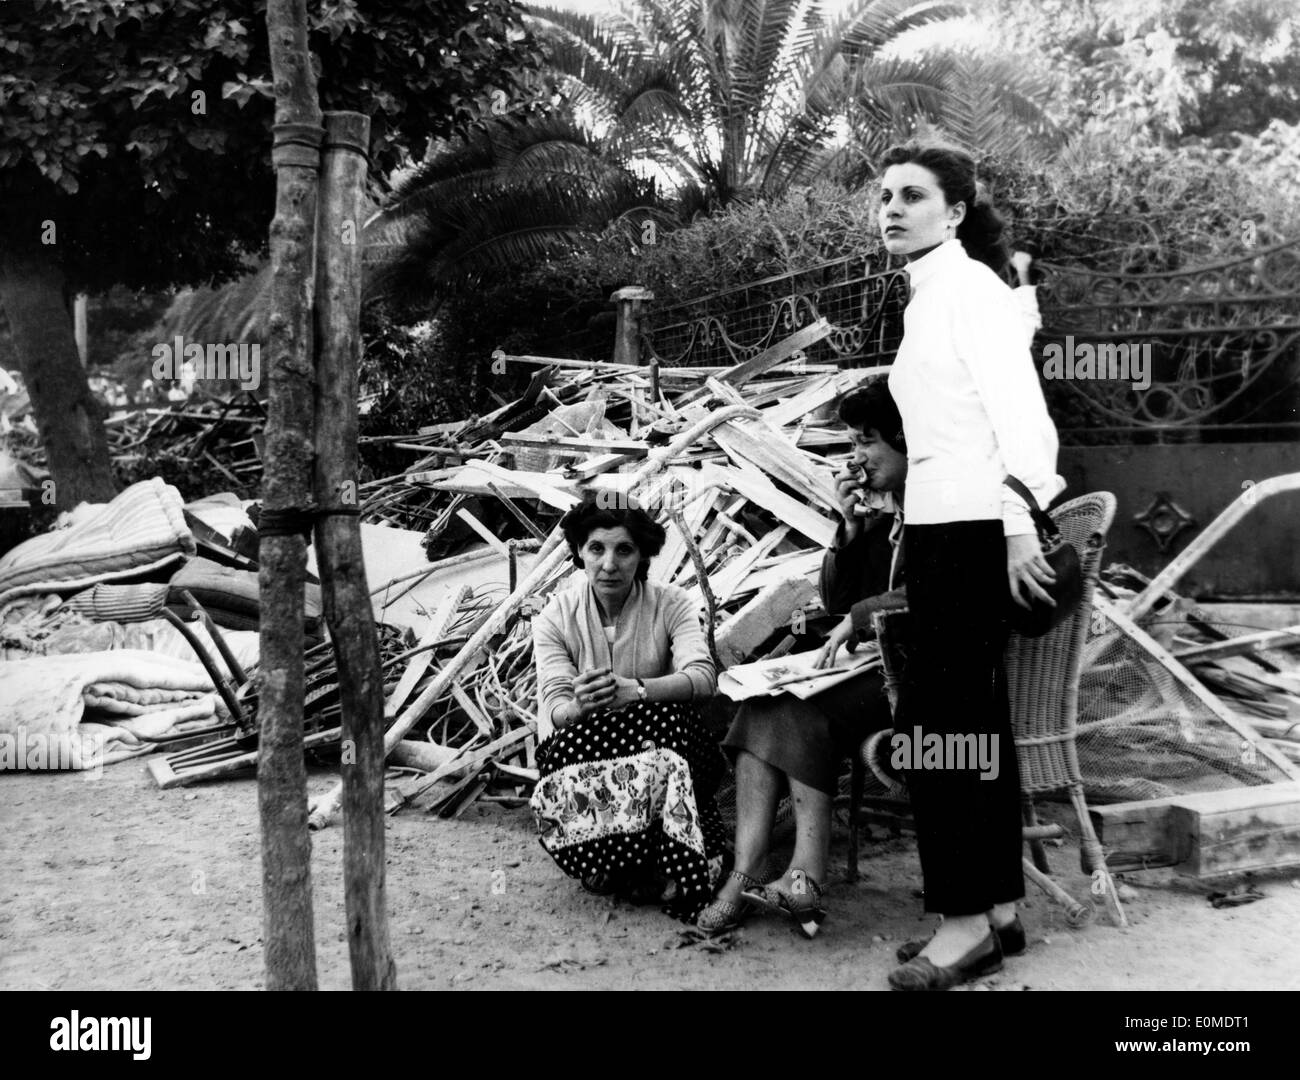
723	915
803	903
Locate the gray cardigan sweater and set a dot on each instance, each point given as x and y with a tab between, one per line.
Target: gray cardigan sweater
657	634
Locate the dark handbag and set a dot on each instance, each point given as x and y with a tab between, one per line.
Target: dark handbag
1061	555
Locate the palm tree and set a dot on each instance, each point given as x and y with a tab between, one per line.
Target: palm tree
726	99
510	193
750	97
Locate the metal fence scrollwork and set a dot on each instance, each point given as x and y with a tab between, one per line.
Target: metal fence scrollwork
1207	352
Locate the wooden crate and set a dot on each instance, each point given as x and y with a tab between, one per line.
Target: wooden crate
1207	834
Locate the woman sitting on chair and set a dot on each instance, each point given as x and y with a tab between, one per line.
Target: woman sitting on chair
783	741
625	800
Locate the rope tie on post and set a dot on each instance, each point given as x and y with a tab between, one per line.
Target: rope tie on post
297	521
297	144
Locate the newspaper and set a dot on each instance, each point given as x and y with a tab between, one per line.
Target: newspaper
795	674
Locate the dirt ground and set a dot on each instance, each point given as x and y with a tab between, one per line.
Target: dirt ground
113	884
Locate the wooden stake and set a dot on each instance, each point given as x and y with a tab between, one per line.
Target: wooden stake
288	928
345	593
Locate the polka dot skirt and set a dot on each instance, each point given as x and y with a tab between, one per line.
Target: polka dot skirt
625	798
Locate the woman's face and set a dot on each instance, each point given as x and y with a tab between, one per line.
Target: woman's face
881	466
914	213
610	558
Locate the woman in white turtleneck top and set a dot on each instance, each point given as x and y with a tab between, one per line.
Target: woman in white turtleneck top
973	413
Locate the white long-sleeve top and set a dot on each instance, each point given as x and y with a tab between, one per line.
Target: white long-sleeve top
973	411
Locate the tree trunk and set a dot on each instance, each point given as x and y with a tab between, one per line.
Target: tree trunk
288	933
70	420
344	590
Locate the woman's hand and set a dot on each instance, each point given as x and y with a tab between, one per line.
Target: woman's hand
602	689
625	692
842	632
593	690
1027	570
848	490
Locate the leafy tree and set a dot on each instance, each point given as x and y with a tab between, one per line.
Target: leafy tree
135	150
722	102
1172	69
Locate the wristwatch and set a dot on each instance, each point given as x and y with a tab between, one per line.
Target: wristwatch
640	690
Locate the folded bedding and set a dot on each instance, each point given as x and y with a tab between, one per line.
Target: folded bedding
231	596
88	709
142	530
121	603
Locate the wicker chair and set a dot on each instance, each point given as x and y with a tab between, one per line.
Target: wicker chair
1043	683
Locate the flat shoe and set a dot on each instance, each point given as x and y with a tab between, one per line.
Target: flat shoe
922	974
1011	937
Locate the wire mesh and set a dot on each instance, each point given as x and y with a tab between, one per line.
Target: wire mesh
1142	734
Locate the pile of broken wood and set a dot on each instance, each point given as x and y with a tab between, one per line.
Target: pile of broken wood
733	460
220	437
739	464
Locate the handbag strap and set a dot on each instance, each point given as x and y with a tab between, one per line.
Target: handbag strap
1042	520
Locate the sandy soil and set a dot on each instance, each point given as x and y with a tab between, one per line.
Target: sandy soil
112	883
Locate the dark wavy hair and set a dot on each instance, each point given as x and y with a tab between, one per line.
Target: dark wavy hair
592	513
871	406
981	230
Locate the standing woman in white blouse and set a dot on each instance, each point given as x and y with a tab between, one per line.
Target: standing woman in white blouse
973	413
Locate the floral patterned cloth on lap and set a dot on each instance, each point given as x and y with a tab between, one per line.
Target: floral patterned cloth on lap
627	797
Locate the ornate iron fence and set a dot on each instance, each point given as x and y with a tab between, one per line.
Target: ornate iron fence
1204	353
861	296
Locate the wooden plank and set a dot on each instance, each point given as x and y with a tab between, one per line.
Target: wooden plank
449	428
755	443
800	564
814	396
474	478
585	470
740	635
820	393
669	560
419	664
785	348
465	760
741	373
421	754
757	488
1239	645
626	447
727	581
482	722
484	533
523	519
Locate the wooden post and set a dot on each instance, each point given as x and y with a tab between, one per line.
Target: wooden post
288	930
344	590
627	330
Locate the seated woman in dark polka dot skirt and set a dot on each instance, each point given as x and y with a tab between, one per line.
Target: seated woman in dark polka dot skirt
625	801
